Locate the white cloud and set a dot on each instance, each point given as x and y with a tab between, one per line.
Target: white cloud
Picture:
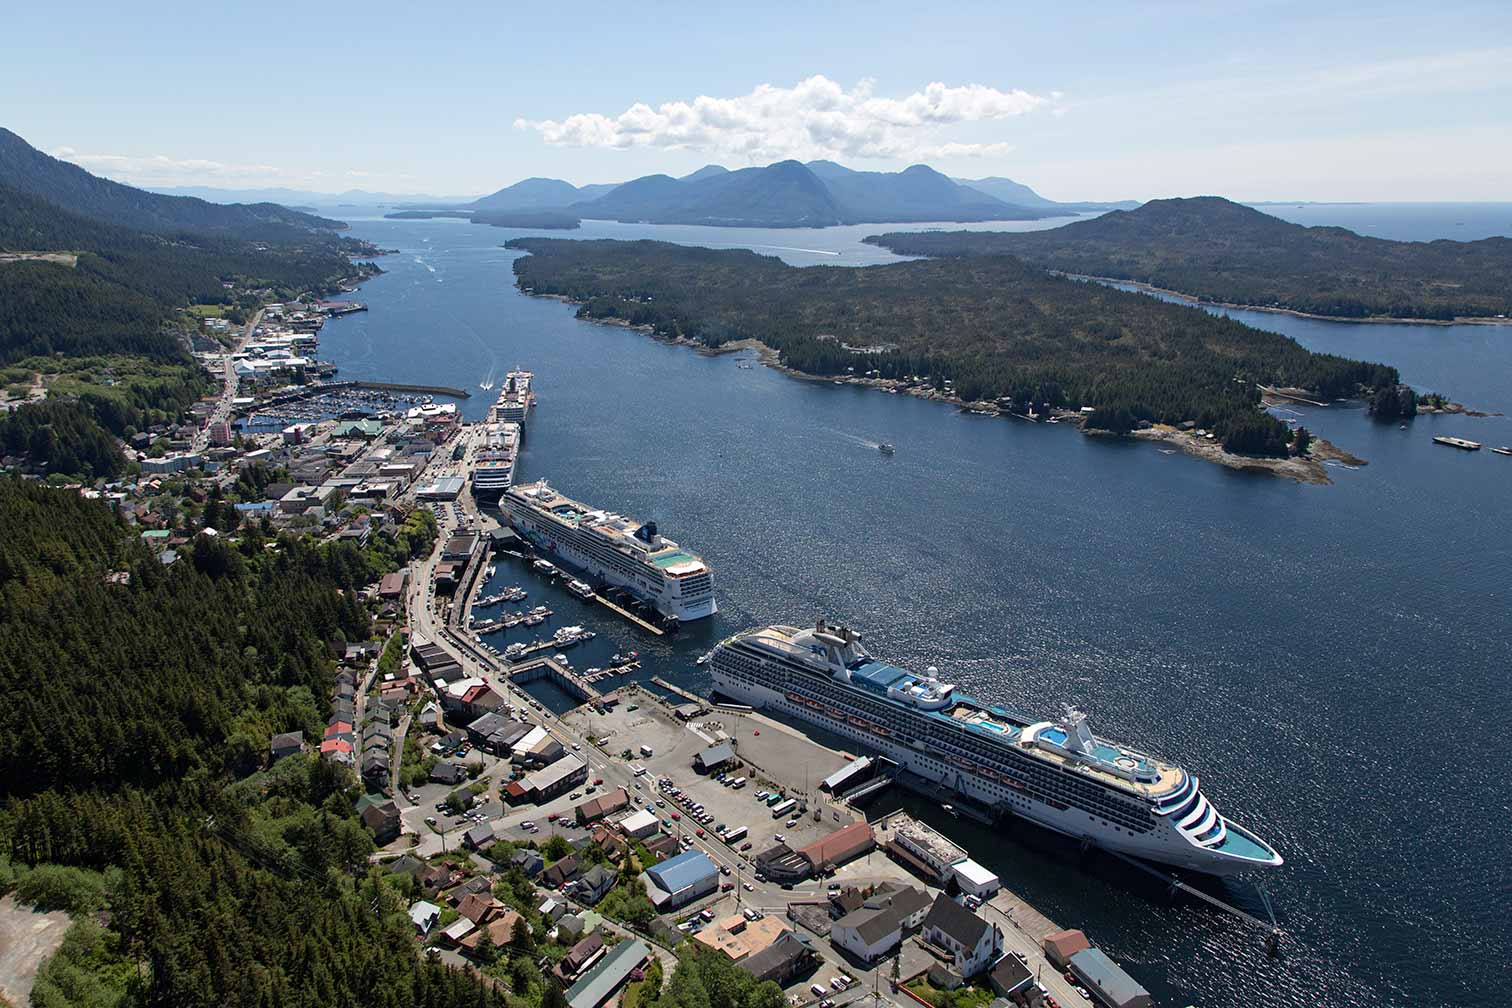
161	170
816	118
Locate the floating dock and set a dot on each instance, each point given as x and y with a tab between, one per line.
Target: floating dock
1458	442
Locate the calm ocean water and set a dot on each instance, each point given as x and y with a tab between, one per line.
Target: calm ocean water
1333	661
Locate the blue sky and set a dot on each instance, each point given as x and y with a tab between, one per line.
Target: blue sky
1088	101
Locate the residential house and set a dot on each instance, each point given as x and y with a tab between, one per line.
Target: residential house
479	837
380	816
457	930
424	915
780	962
578	958
286	744
876	927
500	930
973	943
1014	980
595	884
450	774
559	874
480	909
529	862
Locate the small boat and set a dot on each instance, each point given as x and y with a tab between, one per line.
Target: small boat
1463	444
886	449
1503	450
950	811
581	589
702	659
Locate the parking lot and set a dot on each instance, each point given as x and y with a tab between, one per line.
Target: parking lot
641	720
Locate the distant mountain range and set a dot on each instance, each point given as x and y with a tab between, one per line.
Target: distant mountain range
296	197
785	194
1217	250
27	170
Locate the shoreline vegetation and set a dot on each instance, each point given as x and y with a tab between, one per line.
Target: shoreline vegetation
1215	251
1311	469
991	335
1293	312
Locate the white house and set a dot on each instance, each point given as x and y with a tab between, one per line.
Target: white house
877	927
973	943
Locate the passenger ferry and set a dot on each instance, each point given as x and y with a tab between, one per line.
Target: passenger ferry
619	551
1052	772
516	398
494	462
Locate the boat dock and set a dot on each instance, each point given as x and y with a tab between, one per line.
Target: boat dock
1458	442
1266	390
677	691
563	676
644	625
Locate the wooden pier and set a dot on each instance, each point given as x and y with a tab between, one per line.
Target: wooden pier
678	691
628	615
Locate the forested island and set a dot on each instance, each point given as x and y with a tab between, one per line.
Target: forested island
980	328
1219	251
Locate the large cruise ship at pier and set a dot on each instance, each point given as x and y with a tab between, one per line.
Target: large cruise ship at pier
619	551
1052	772
494	461
515	399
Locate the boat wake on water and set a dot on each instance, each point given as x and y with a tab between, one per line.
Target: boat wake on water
789	248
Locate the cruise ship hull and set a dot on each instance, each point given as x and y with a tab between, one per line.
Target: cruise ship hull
580	562
1163	844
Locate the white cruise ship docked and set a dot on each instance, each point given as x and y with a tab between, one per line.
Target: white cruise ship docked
515	400
494	460
619	551
1054	773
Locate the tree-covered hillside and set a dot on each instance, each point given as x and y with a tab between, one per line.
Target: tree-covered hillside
28	170
994	326
123	290
1216	250
135	711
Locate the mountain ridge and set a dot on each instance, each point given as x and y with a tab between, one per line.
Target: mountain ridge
1216	250
69	187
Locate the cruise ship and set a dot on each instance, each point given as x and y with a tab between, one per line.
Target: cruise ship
494	461
619	551
1052	772
516	398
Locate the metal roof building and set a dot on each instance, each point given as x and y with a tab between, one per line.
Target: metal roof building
681	879
1107	980
608	975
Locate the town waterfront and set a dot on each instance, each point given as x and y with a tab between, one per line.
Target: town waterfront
1330	660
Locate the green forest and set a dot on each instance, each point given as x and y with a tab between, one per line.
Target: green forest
134	710
1219	251
993	326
